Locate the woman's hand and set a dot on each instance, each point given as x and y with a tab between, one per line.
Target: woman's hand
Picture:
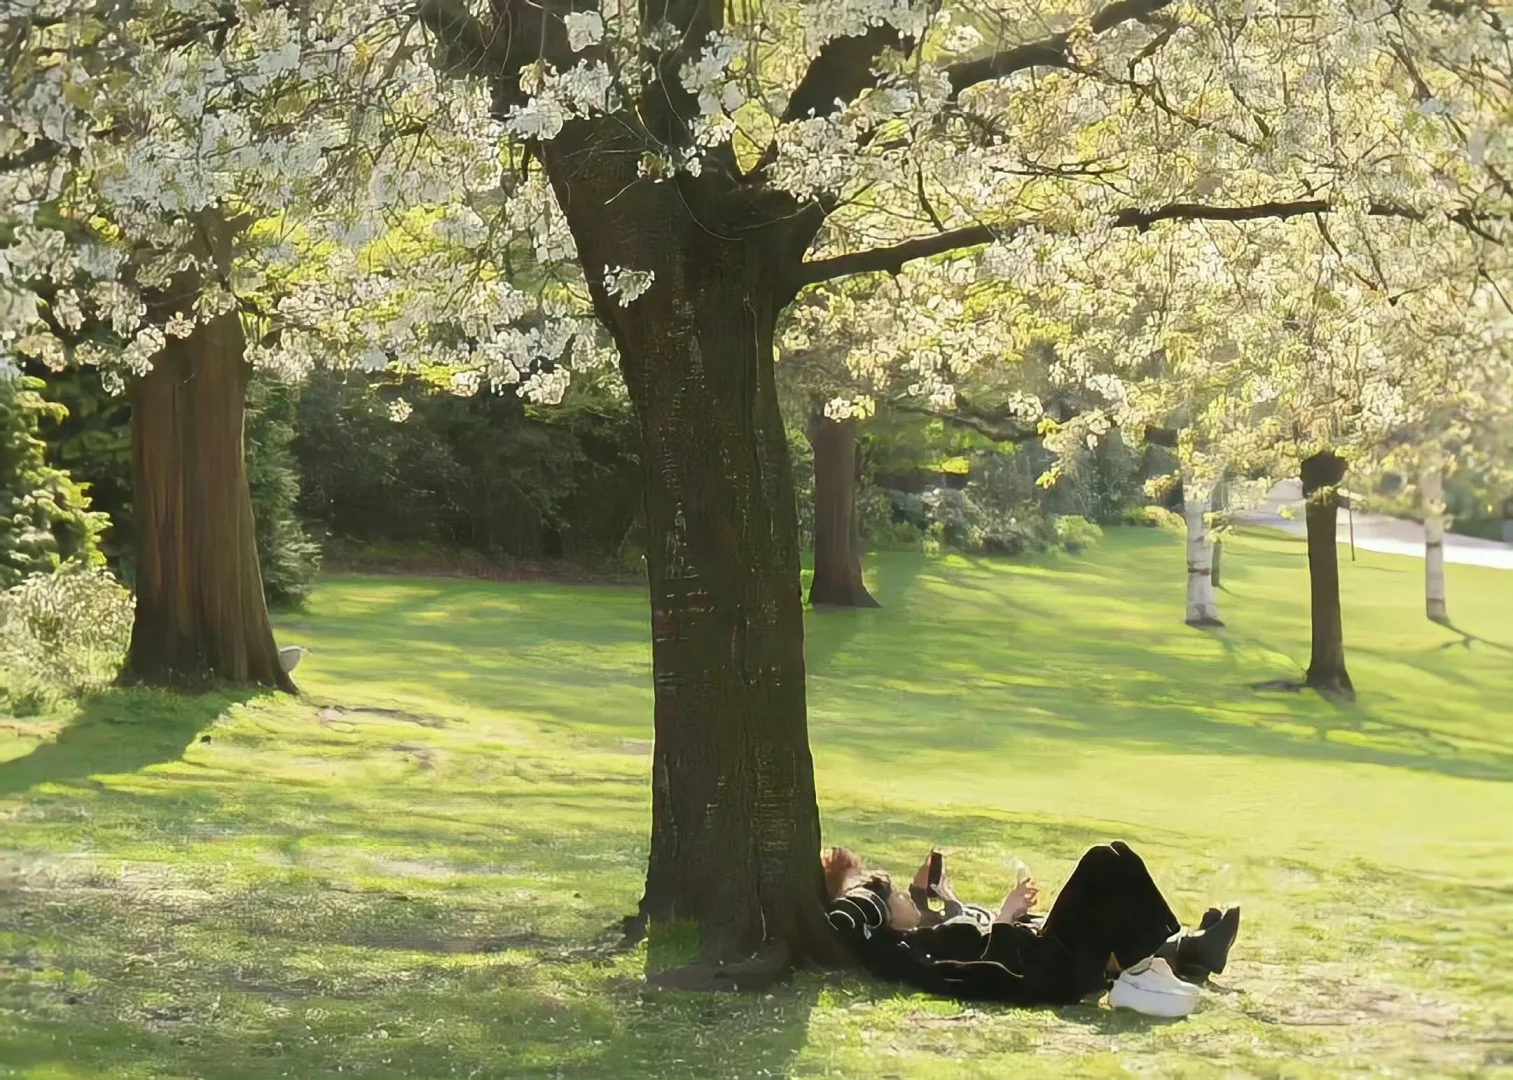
1019	902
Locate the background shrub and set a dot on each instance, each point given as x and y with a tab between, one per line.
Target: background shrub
45	515
61	634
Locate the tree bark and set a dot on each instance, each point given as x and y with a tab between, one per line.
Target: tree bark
1321	475
837	530
1431	486
200	611
735	837
1202	605
1214	562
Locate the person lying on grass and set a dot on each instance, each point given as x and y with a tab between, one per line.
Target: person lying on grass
1109	917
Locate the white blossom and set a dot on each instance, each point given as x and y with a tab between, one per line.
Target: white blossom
584	28
628	285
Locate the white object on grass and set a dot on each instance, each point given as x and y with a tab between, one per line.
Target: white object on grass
1151	988
289	657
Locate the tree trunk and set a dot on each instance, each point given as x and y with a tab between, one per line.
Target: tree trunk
1202	605
1215	561
735	835
837	530
1432	496
1321	475
200	612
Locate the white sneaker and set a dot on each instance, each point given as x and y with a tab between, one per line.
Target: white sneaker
1150	988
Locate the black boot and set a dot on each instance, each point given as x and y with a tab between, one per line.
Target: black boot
1205	952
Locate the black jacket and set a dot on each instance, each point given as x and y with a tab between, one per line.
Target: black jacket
962	957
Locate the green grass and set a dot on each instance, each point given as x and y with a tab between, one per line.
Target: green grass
412	881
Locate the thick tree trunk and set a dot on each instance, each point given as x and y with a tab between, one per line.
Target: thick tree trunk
734	867
200	612
735	822
837	530
1202	605
1432	496
1321	475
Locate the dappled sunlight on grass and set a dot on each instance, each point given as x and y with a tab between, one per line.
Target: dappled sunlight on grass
411	870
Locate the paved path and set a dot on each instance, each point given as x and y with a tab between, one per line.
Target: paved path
1376	532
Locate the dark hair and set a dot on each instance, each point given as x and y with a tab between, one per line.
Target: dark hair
863	908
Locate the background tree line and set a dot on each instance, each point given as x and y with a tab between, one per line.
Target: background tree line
491	477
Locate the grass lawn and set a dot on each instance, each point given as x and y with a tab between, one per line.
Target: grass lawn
405	873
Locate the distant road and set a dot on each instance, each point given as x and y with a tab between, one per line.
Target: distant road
1376	532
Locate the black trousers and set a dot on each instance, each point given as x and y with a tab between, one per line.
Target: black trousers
1108	907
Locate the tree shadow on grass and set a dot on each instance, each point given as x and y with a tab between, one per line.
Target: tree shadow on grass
445	1020
828	631
318	969
118	731
1467	639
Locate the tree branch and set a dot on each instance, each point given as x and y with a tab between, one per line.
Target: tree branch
1461	8
892	258
464	45
1015	433
1141	220
38	152
1159	436
1001	426
523	32
841	71
1048	52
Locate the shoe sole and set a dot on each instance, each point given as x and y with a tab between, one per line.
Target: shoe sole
1170	1004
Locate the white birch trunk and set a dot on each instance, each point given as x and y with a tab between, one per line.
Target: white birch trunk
1432	495
1202	604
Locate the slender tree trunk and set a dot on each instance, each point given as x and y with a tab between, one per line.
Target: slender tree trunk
200	612
837	530
1321	475
735	835
1431	488
1202	605
1219	500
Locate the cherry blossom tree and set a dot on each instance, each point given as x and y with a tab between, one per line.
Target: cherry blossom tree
733	155
155	161
705	162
